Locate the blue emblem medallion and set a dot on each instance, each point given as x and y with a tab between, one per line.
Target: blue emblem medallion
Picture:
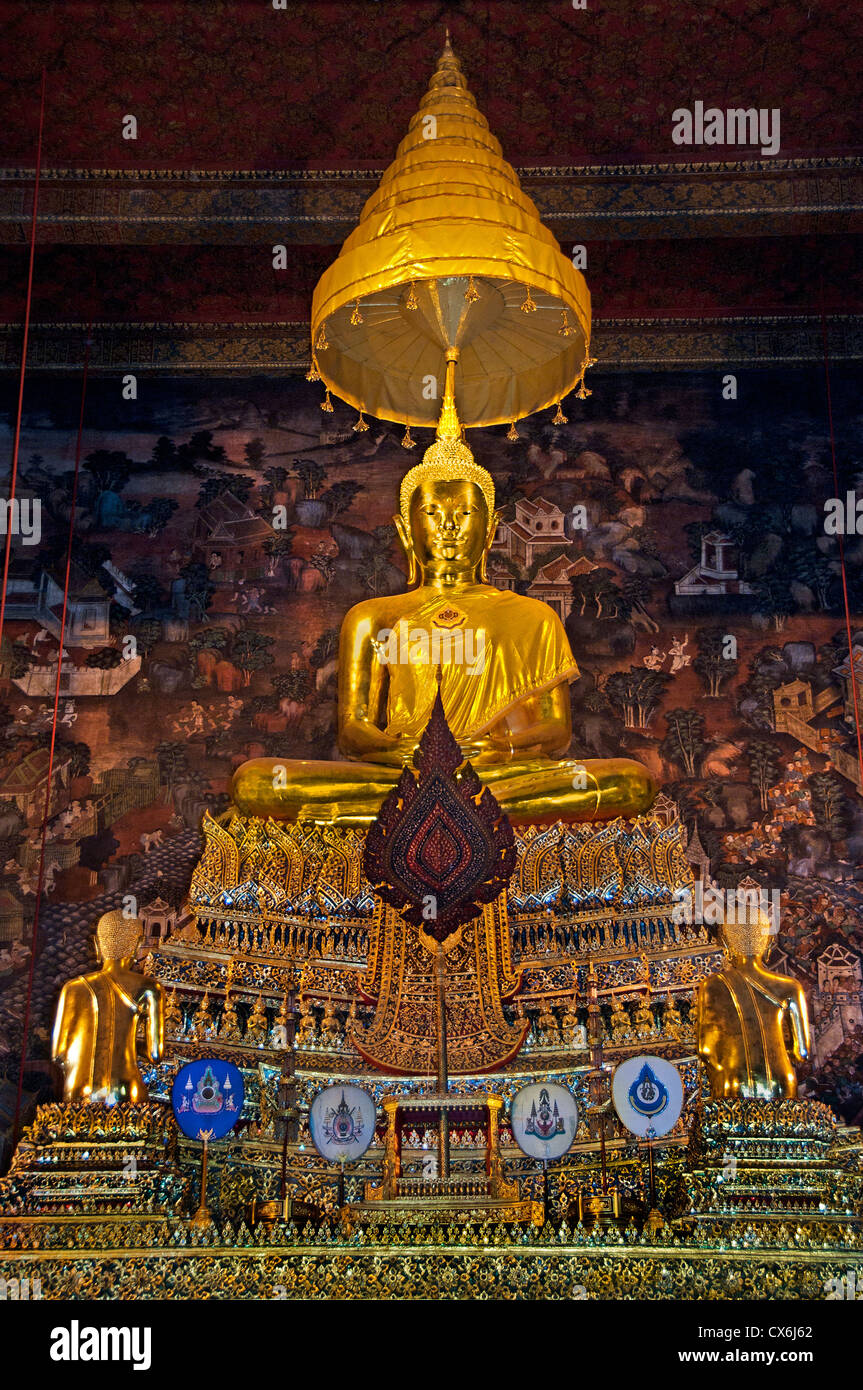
647	1094
207	1095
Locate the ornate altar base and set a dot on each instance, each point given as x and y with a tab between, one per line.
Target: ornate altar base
98	1203
79	1218
415	1262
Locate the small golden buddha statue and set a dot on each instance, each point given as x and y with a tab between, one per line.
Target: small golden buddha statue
746	1017
330	1027
174	1021
307	1026
672	1019
503	661
569	1021
96	1024
256	1028
229	1023
202	1019
643	1019
547	1025
279	1030
620	1021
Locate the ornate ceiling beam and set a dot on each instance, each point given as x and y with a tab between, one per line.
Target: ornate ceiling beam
622	344
597	202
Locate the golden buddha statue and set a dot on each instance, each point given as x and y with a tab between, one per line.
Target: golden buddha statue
96	1023
307	1026
547	1027
229	1023
620	1021
174	1021
202	1019
256	1027
644	1021
744	1016
331	1029
279	1030
503	661
672	1019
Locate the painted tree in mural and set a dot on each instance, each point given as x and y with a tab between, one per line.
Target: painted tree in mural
277	548
774	598
713	663
374	570
109	469
830	803
292	686
597	595
762	759
275	477
147	591
21	659
217	484
816	572
254	452
252	651
148	631
201	448
164	456
312	475
636	694
684	743
198	589
79	758
636	592
173	765
340	497
104	659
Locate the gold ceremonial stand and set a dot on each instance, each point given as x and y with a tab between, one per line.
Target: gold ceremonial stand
458	1199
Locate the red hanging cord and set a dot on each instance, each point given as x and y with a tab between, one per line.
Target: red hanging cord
13	477
25	1029
840	538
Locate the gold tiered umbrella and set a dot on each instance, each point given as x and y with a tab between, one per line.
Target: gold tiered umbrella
450	262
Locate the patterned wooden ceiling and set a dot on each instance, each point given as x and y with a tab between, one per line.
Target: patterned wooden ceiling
258	125
333	83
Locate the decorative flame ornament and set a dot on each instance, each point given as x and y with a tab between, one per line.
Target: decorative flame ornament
448	252
441	845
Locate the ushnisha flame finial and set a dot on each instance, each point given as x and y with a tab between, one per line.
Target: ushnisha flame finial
449	457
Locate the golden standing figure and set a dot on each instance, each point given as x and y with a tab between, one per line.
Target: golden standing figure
504	662
97	1019
744	1016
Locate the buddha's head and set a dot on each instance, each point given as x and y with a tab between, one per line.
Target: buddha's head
117	936
751	937
447	517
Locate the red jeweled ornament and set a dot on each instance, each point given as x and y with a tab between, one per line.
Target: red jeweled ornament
441	845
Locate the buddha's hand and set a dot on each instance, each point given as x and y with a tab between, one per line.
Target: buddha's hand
487	749
394	750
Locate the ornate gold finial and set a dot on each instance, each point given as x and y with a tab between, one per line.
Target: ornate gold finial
512	433
582	393
326	403
449	457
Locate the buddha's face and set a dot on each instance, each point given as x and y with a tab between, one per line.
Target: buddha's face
449	526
